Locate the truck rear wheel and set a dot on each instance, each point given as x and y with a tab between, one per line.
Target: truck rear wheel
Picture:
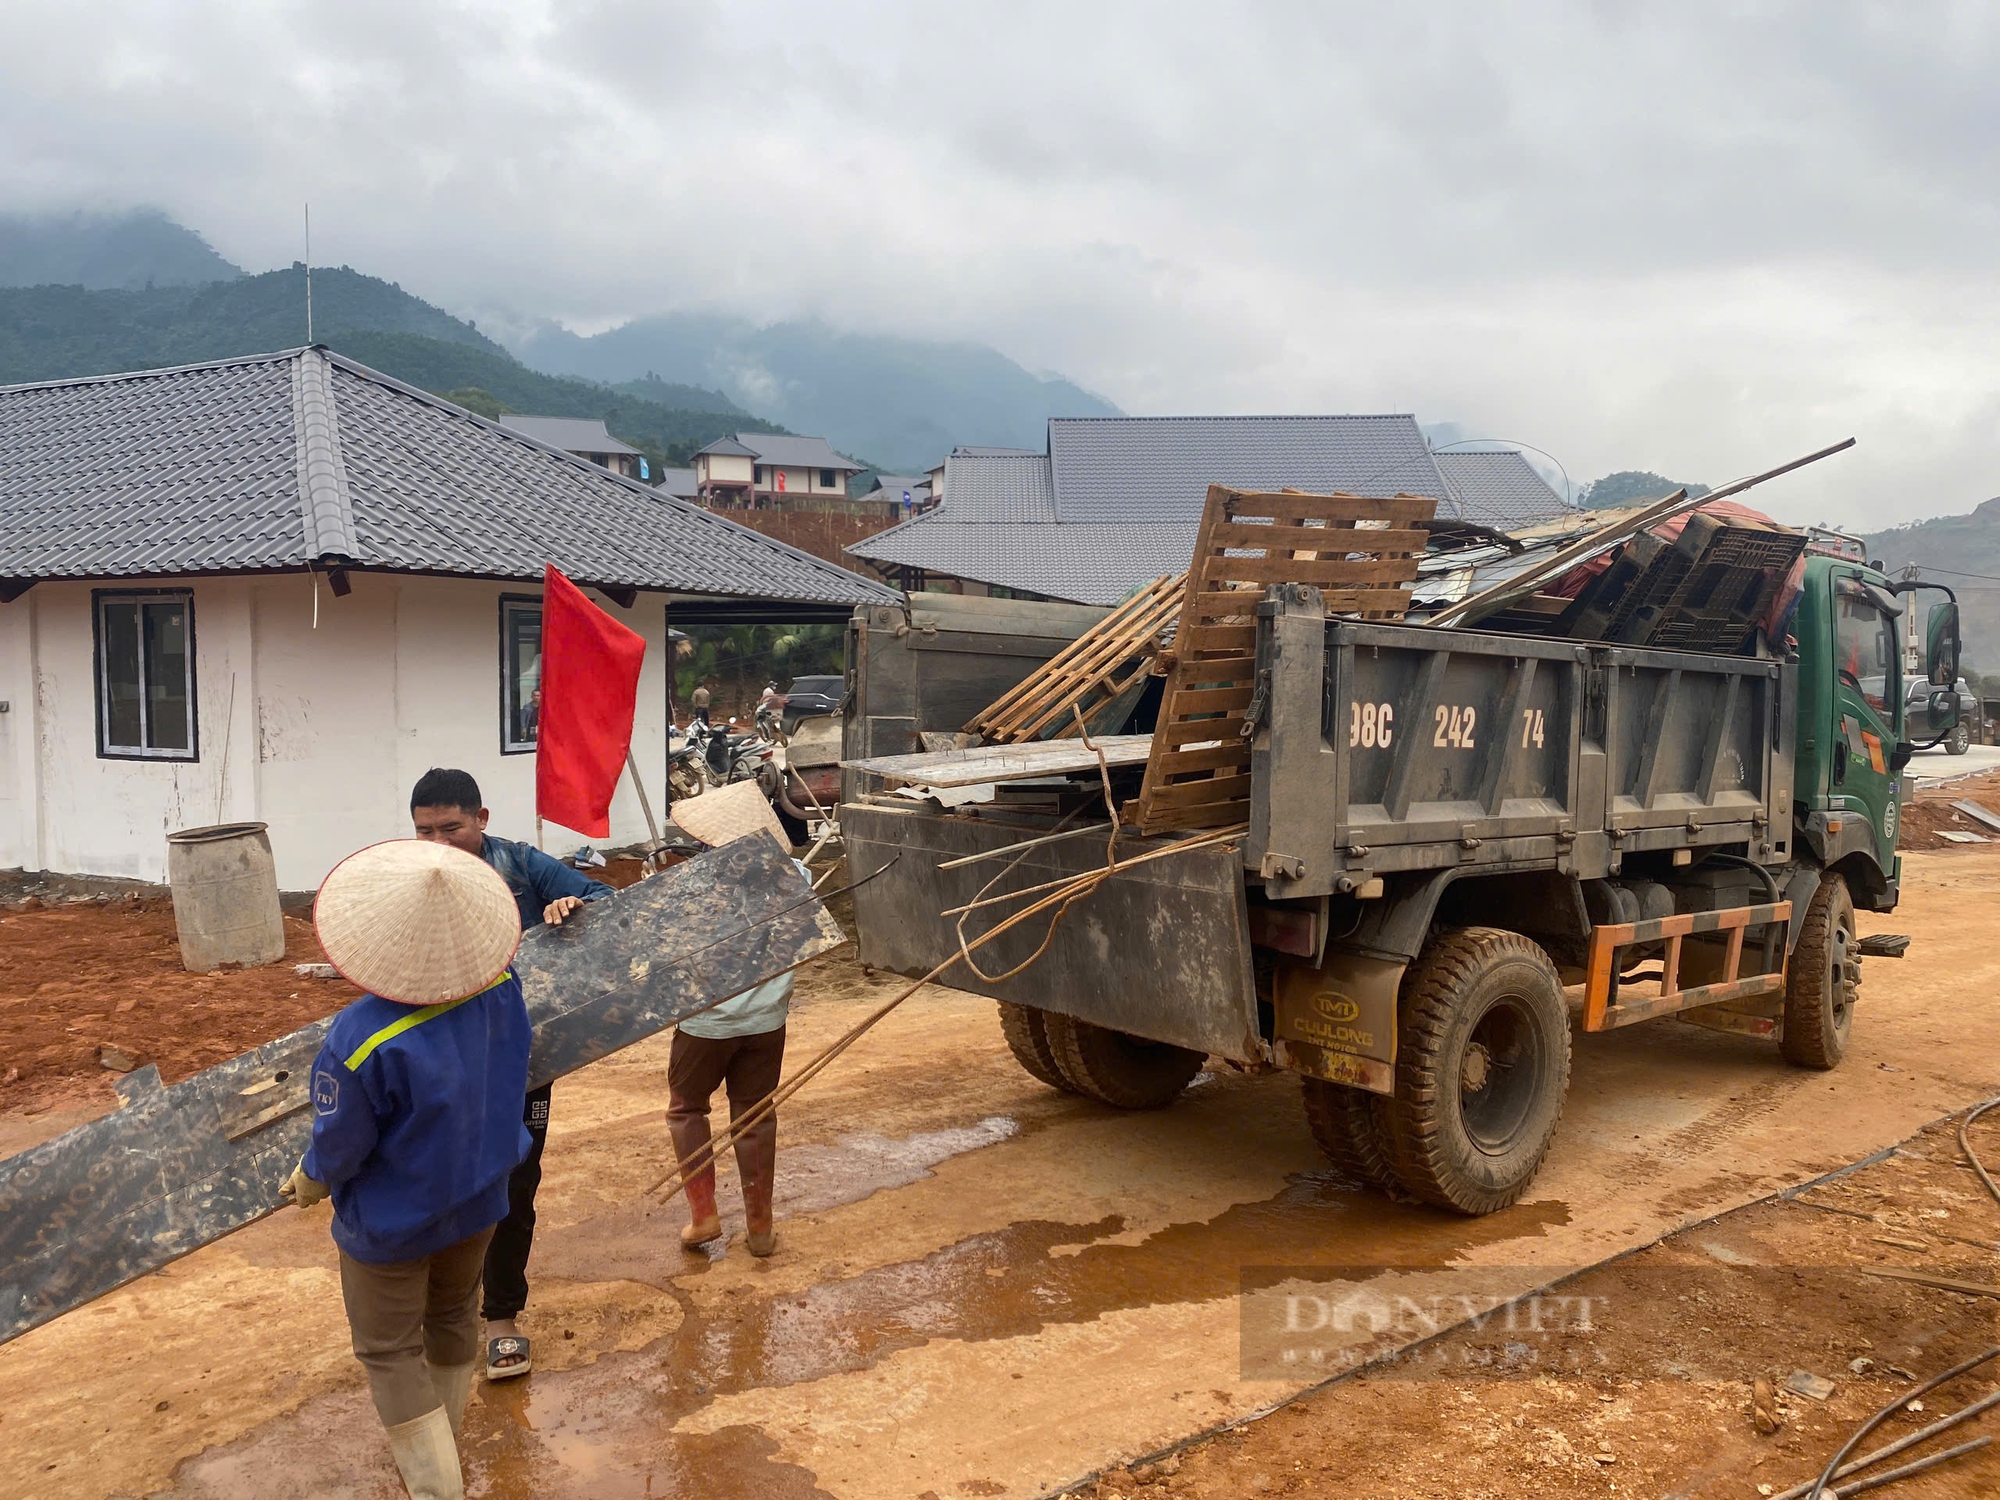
1117	1068
1343	1125
1482	1065
1825	969
1028	1039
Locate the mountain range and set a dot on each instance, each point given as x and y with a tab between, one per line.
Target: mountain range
93	294
900	402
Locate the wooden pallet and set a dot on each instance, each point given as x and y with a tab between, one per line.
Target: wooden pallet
1198	774
1091	674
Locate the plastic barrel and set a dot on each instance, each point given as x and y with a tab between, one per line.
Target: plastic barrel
225	887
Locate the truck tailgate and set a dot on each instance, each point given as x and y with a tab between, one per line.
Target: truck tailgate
1162	951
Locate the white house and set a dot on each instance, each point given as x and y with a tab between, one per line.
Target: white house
770	471
278	589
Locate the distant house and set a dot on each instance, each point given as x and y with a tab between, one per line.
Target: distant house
906	492
277	589
1114	502
680	483
586	439
767	471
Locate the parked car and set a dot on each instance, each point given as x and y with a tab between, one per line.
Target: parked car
809	697
1971	725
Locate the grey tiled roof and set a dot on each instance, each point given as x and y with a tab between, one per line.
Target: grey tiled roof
571	434
679	482
1085	562
729	448
1500	489
301	457
998	486
794	452
1160	468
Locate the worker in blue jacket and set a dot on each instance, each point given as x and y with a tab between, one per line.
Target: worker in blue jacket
446	808
417	1128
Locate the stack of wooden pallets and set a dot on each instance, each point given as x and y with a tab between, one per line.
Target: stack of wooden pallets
1198	774
1098	675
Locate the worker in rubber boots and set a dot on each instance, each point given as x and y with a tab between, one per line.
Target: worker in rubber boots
417	1127
738	1045
446	808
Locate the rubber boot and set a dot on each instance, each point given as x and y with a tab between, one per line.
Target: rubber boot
704	1223
757	1169
427	1457
453	1383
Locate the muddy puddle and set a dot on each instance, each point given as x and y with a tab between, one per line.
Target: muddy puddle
607	1429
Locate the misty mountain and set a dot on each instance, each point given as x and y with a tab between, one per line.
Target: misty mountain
1963	553
900	402
57	332
138	248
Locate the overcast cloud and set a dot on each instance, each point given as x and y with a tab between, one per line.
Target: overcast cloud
1696	238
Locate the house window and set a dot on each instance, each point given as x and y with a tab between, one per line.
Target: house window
826	479
145	676
520	673
757	474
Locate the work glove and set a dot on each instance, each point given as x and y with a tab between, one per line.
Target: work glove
301	1189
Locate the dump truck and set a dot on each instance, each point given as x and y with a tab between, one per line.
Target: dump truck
1461	844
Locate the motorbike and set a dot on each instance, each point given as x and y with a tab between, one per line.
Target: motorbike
723	757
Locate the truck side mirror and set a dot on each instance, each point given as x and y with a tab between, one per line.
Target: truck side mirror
1942	644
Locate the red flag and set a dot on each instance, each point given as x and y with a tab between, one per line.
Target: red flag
590	688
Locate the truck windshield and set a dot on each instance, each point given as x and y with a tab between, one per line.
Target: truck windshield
1865	647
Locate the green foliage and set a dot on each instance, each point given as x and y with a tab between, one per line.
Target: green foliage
740	659
54	332
473	399
139	248
1630	487
680	397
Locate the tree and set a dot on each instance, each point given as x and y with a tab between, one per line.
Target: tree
1629	487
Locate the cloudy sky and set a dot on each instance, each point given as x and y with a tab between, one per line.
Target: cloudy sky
1697	238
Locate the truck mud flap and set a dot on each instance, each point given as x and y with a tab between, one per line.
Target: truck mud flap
183	1165
1162	952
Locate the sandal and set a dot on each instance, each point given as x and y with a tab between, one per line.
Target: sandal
513	1347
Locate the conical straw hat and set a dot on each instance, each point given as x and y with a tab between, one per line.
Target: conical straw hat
723	814
416	922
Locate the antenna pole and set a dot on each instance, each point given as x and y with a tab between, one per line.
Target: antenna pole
309	273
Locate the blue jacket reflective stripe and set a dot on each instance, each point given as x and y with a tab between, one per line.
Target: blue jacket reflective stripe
417	1120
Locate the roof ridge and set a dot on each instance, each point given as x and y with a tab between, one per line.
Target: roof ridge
276	356
324	505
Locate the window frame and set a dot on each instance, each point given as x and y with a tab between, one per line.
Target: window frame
100	687
509	602
828	480
1884	630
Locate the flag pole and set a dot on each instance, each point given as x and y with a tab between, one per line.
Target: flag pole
645	802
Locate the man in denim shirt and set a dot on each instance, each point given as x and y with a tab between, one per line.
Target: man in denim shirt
446	808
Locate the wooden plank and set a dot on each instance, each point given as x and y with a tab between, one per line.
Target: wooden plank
1321	572
1194	731
1196	793
1215	617
1235	753
135	1190
953	768
1402	510
1209	700
1325	541
1235	639
1079	676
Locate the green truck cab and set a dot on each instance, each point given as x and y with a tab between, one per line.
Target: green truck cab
1852	736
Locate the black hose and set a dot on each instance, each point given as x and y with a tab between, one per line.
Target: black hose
1770	880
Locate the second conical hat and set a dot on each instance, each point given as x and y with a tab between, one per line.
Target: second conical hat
417	922
726	813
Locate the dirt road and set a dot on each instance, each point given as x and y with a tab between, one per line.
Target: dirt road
983	1287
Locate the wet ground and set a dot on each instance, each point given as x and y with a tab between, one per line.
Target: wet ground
983	1287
